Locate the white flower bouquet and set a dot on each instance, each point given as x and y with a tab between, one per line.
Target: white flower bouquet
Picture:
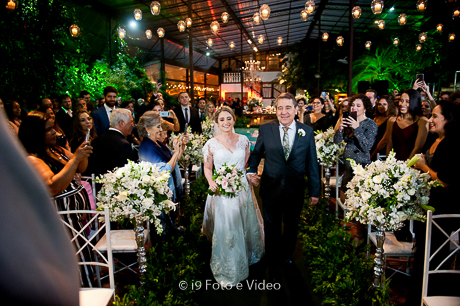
229	181
193	149
327	151
388	193
136	190
254	102
207	127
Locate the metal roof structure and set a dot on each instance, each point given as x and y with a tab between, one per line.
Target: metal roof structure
330	16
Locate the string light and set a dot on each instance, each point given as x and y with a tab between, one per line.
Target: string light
261	39
356	12
121	33
155	8
422	37
148	34
325	36
12	5
402	19
439	27
381	24
418	47
255	49
280	40
396	41
161	32
137	14
451	37
214	27
368	45
421	5
339	41
74	30
249	41
304	15
377	6
188	21
456	12
232	45
224	17
310	7
256	18
209	41
181	26
264	12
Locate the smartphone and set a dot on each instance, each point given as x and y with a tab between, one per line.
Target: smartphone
159	82
354	115
87	136
420	77
323	94
165	114
345	115
309	108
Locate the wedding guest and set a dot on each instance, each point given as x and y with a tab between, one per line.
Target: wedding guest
438	163
426	110
61	139
82	123
201	108
154	151
359	135
81	104
397	100
171	121
407	133
317	120
445	95
187	115
64	115
329	108
385	109
301	102
455	97
210	110
425	92
46	102
14	111
101	116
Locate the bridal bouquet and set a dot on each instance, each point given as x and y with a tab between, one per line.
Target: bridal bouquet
327	151
193	149
135	190
229	181
207	127
388	193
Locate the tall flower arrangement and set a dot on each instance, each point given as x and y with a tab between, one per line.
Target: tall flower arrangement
327	151
388	193
207	127
136	190
193	149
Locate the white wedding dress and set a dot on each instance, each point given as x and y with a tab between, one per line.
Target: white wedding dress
234	225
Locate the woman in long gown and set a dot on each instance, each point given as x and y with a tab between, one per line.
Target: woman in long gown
234	225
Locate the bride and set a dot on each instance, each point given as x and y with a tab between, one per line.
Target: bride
234	225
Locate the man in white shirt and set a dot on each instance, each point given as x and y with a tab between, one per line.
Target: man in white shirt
102	114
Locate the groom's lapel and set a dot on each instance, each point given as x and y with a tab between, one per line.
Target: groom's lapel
296	139
277	137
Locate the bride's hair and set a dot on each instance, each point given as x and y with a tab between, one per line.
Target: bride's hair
224	109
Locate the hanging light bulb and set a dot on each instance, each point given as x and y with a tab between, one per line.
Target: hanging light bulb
422	37
456	12
137	14
215	27
256	18
121	33
209	41
381	24
451	37
304	15
12	5
377	6
280	40
148	34
249	41
439	27
74	30
264	12
325	36
181	26
368	45
396	41
224	17
231	45
188	21
402	19
261	39
161	32
155	8
310	6
339	41
418	47
255	49
356	12
421	5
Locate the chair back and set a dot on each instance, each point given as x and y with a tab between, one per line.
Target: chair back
431	220
90	180
81	240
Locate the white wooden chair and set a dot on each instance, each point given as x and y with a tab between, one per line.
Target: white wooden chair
93	296
439	300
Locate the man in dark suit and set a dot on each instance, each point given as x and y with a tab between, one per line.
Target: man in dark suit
64	116
102	114
187	114
290	154
111	149
202	109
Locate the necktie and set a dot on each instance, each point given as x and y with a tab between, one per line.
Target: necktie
186	114
286	149
202	115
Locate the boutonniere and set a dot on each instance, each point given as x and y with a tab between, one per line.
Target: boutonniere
301	133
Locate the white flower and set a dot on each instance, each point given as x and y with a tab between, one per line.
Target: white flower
377	179
302	132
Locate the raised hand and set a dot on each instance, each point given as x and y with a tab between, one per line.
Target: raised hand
83	151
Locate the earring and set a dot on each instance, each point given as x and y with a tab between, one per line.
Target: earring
148	134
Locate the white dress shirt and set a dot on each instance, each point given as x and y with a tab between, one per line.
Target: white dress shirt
188	112
291	134
114	129
108	110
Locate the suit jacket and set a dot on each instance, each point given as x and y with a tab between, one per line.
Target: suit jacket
194	121
65	123
100	120
282	177
110	150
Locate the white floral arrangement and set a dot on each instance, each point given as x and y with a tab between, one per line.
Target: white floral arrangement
193	154
136	190
207	127
388	193
229	180
327	151
255	102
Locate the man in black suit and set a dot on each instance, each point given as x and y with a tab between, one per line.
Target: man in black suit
187	114
111	150
102	114
202	109
64	116
290	154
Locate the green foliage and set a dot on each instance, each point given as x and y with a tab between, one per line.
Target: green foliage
242	122
174	260
341	273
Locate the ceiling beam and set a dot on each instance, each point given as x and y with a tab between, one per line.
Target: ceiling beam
236	19
318	13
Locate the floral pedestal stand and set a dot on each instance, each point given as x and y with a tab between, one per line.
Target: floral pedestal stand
327	183
187	179
140	241
379	263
